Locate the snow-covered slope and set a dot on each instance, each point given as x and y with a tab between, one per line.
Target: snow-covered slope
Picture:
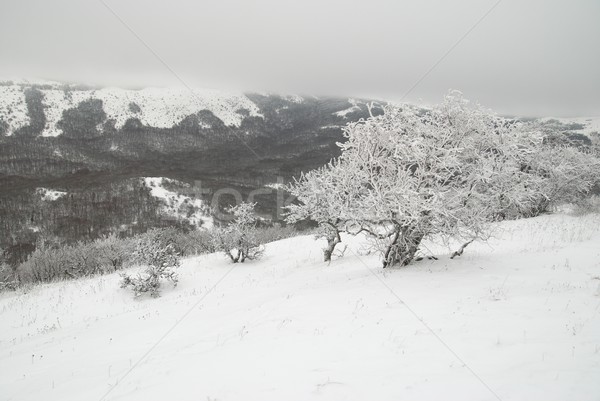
161	108
179	206
589	124
355	107
521	313
13	109
154	107
50	194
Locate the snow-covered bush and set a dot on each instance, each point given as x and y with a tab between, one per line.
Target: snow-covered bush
49	263
45	264
8	277
113	252
160	260
162	236
82	259
105	255
564	174
239	240
196	242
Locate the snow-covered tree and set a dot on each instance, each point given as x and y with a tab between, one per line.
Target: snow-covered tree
410	174
239	240
323	196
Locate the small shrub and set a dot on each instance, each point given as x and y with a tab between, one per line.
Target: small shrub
238	245
160	259
162	237
240	240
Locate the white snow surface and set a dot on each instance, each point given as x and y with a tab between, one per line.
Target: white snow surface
521	313
160	107
50	194
177	205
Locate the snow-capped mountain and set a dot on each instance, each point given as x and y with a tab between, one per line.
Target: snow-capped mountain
44	106
153	107
66	128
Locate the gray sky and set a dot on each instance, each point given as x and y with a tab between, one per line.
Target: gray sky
528	57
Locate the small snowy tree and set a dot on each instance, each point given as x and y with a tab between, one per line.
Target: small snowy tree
323	195
239	240
160	260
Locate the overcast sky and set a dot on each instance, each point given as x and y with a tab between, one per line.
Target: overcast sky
527	57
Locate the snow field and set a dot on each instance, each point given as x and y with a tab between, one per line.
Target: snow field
522	312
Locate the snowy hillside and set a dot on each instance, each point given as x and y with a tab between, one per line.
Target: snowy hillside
514	319
355	107
50	194
13	109
166	107
154	107
161	108
581	125
179	206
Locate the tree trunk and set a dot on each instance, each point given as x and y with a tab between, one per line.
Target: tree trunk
333	238
233	258
402	248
